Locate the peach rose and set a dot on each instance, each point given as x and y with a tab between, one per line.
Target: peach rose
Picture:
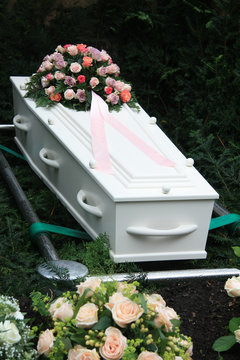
81	353
87	316
45	342
155	300
69	94
125	96
72	50
55	97
64	312
87	61
118	296
232	286
91	284
115	344
163	317
93	82
125	312
149	355
75	67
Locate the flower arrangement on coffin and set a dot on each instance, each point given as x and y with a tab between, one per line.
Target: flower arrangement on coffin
72	72
111	321
15	334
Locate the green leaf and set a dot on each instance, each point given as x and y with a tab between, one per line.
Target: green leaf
236	250
224	343
143	302
67	343
103	323
234	324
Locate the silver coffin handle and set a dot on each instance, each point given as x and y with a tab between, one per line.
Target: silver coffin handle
94	210
145	231
17	121
45	156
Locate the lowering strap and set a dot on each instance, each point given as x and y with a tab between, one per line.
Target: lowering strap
39	227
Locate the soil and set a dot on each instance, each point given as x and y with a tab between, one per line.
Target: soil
205	310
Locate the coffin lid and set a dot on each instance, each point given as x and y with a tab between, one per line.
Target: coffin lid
135	177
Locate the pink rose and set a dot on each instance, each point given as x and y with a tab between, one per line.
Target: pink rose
82	97
113	68
69	94
119	85
113	98
101	71
47	65
72	50
59	75
127	87
110	81
105	56
75	67
45	342
87	316
108	90
125	312
44	81
93	82
232	286
50	90
148	355
49	76
92	284
163	317
81	353
114	345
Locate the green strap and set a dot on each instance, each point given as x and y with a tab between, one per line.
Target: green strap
38	227
12	152
225	220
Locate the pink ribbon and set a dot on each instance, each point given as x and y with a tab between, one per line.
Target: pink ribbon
99	114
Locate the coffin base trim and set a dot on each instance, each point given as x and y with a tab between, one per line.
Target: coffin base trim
188	255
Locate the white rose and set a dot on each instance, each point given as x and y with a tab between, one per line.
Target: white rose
237	335
9	332
232	286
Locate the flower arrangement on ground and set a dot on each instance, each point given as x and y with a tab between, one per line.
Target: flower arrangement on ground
112	321
70	74
15	334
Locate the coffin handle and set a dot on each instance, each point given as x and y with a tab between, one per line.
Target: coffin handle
46	157
94	210
145	231
20	124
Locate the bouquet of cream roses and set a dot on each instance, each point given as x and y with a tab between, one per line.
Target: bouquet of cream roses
15	334
70	74
112	321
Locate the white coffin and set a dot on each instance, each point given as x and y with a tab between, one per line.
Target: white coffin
149	212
